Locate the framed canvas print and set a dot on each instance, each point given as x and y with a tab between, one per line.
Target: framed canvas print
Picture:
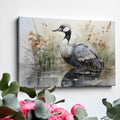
65	53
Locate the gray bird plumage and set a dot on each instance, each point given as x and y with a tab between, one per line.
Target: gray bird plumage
77	54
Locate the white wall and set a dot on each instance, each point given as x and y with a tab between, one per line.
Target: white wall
81	9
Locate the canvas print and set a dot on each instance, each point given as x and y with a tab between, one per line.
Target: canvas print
65	52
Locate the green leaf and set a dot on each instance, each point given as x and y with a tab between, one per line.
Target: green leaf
91	118
11	101
1	102
116	102
13	88
105	118
28	100
49	98
60	101
41	111
107	104
42	93
80	113
114	112
30	91
18	116
5	92
52	89
5	111
4	81
75	118
31	116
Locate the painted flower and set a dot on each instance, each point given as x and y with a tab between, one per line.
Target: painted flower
26	106
75	107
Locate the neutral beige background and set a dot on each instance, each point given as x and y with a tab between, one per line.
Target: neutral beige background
75	9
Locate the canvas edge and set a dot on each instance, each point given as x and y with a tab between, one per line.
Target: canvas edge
18	51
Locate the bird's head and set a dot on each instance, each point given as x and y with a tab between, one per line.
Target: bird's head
63	28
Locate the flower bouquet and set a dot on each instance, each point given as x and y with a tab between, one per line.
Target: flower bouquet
42	105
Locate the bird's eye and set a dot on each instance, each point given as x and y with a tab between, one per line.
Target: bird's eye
62	27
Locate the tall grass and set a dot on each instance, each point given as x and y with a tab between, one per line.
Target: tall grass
100	39
42	46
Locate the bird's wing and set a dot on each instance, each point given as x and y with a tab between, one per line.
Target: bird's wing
83	52
93	50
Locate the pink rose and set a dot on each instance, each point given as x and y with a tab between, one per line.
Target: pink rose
69	117
55	117
75	107
26	106
52	108
6	118
47	105
61	112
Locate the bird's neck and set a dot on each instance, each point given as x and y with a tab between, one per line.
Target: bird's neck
68	35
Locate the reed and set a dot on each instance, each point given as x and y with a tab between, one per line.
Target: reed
42	46
100	40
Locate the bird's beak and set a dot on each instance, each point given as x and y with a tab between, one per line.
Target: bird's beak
59	29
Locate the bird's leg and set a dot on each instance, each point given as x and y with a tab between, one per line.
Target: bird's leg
79	69
94	67
90	65
87	64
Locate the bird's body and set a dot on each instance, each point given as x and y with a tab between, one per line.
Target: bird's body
77	54
65	49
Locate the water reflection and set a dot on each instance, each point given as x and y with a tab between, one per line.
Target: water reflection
76	77
61	76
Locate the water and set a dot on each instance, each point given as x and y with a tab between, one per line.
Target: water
64	76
